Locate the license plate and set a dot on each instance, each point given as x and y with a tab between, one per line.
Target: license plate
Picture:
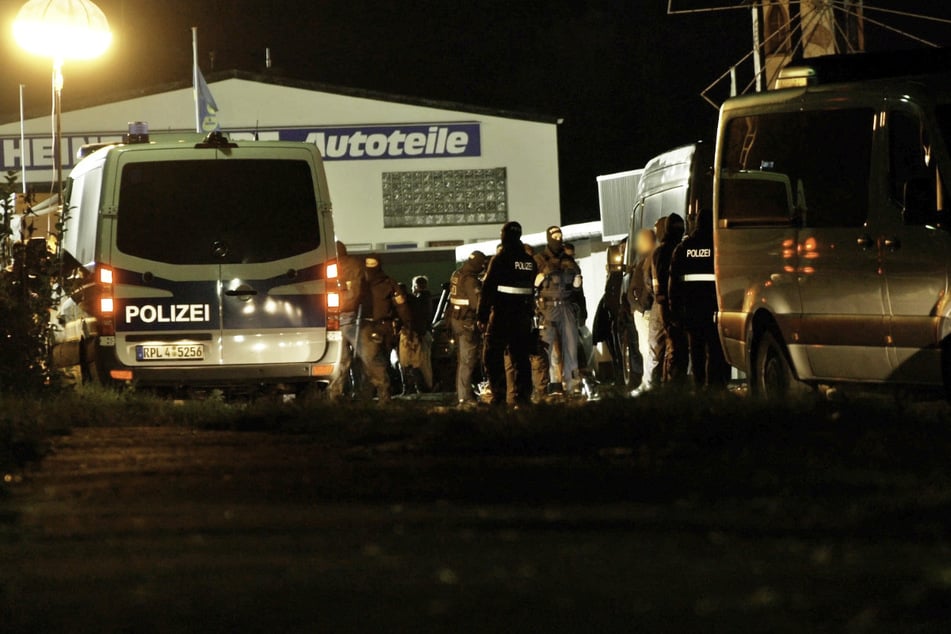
170	352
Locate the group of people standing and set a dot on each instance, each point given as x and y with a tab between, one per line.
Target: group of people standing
379	315
673	302
526	308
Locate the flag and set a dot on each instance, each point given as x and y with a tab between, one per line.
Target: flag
207	108
777	38
852	32
818	28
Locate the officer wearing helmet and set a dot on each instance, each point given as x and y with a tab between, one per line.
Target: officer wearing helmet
384	310
559	282
506	311
350	277
464	291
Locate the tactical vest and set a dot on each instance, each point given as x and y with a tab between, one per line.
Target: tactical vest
459	304
560	273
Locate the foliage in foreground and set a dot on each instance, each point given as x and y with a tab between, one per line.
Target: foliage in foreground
26	298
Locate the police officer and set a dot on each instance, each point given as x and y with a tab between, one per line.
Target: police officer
669	340
693	302
350	277
464	291
559	282
538	356
424	307
383	307
506	309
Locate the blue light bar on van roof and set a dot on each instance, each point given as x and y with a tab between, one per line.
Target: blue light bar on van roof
138	132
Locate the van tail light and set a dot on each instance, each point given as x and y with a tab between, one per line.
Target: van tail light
107	303
332	270
333	310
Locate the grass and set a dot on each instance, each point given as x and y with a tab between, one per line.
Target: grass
764	502
720	444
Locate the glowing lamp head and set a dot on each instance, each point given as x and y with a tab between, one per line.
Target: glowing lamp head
62	29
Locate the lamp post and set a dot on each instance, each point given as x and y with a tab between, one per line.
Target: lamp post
61	30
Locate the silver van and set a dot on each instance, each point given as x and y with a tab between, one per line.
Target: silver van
200	263
832	238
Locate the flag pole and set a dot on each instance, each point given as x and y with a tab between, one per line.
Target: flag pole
195	77
22	142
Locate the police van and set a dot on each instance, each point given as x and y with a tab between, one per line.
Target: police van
675	182
832	238
197	262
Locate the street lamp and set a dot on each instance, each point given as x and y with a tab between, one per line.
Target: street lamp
61	30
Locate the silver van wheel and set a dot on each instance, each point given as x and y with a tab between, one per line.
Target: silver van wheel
774	377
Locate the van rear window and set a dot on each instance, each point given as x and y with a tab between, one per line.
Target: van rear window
217	211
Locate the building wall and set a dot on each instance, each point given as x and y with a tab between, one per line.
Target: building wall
527	150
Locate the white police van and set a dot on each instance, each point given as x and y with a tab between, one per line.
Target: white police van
199	263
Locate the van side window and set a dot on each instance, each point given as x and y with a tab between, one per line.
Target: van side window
813	166
761	157
836	165
909	152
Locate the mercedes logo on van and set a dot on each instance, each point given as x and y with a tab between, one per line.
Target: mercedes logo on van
219	249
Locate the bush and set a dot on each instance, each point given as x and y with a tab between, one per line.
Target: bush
26	301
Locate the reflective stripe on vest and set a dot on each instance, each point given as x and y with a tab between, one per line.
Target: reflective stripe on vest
458	302
514	290
700	277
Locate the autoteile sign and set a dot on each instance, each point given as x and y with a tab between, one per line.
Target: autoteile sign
369	142
336	143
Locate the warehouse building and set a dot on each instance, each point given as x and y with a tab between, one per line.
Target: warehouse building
410	178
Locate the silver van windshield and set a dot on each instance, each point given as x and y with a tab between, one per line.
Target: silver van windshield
217	211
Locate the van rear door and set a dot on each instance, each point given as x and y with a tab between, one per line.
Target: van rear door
229	238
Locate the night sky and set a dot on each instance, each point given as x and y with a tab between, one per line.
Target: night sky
625	76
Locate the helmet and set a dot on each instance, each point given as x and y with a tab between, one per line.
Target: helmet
511	232
477	258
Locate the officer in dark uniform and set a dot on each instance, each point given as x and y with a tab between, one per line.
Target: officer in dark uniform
506	310
559	282
384	309
670	342
693	301
350	277
538	356
464	291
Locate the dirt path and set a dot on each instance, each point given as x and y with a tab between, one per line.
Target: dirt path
145	529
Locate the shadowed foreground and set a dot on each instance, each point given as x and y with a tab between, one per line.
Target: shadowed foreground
656	515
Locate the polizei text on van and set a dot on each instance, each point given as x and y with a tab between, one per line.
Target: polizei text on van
170	314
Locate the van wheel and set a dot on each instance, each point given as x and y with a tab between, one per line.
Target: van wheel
629	378
89	362
774	377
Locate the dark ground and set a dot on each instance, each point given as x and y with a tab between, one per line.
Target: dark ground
674	515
